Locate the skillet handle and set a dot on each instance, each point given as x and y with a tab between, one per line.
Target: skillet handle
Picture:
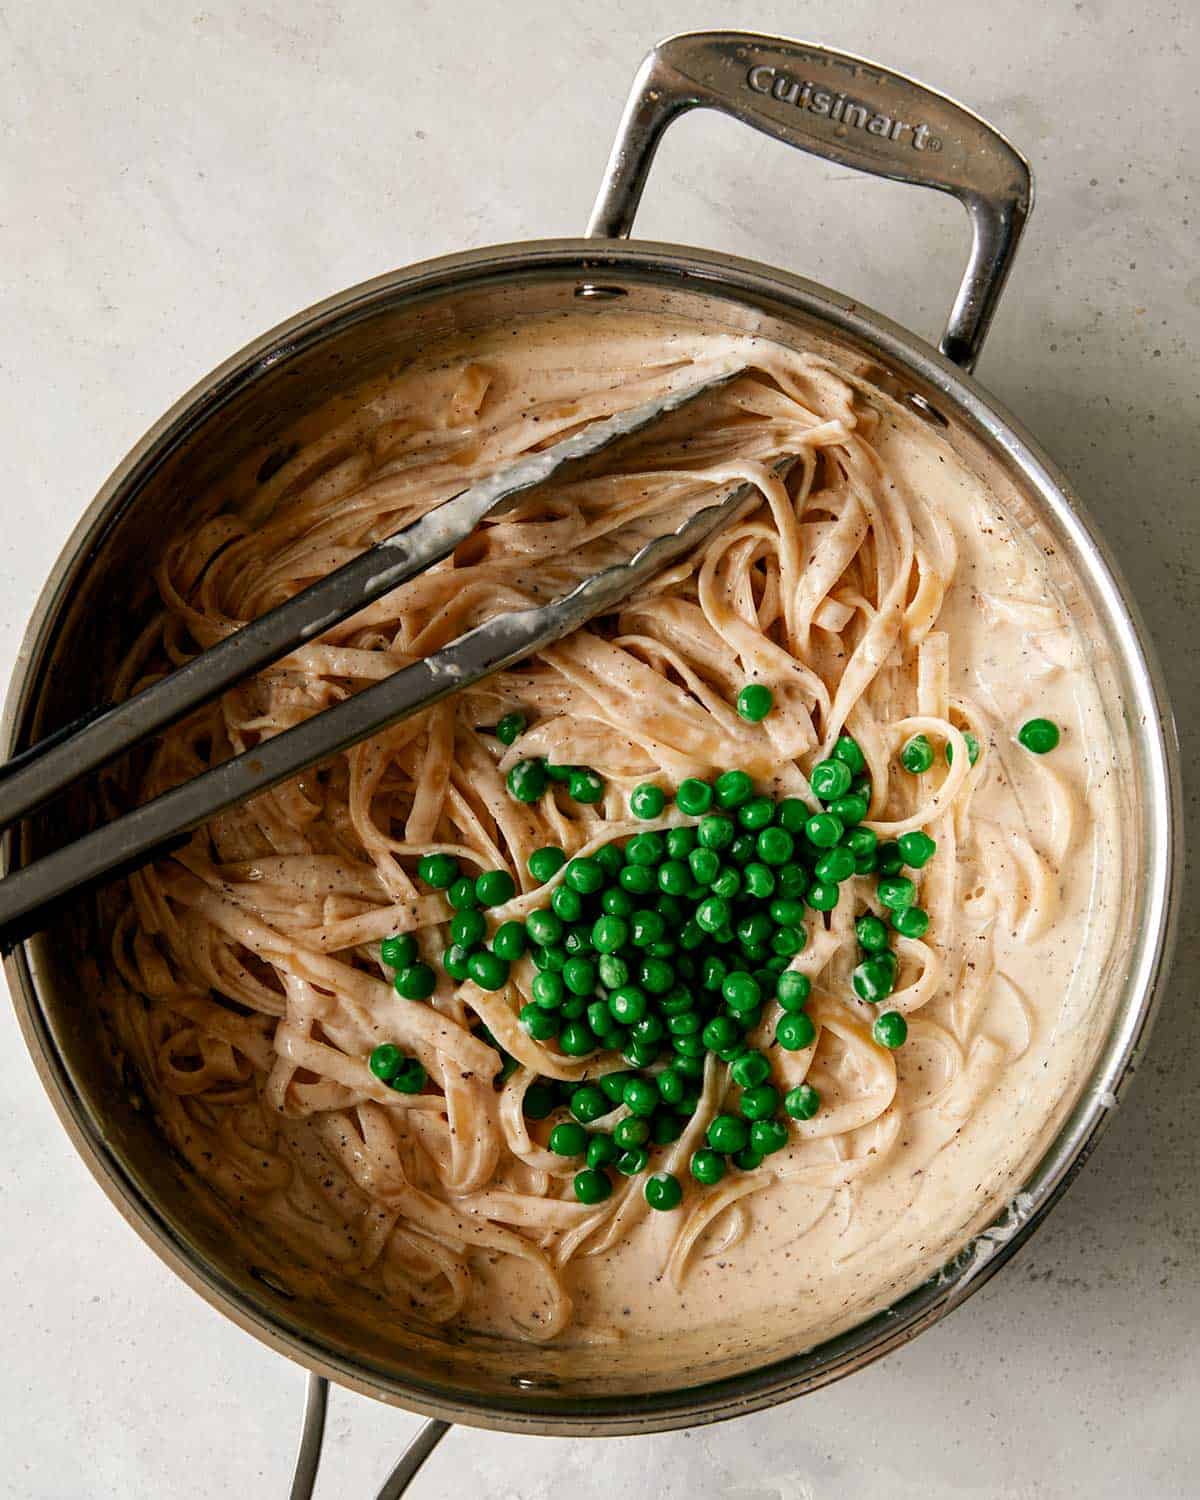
848	111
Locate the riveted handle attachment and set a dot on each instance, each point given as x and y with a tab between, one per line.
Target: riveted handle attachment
849	111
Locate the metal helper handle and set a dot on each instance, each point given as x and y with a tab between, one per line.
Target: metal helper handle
848	111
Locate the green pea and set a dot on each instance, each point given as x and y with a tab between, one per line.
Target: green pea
437	870
672	1085
548	990
802	1102
488	970
715	832
647	801
399	951
645	849
495	887
567	903
727	1134
861	842
574	1007
851	809
588	1103
822	895
656	975
727	883
411	1077
694	797
467	928
917	755
743	848
890	1030
792	814
761	1101
680	842
640	1097
663	1192
527	780
916	848
631	1163
602	1150
638	880
732	788
561	774
704	865
613	971
461	894
578	940
539	1101
385	1061
544	928
792	991
576	1039
610	933
416	982
756	814
835	865
830	779
454	960
691	936
600	1019
579	976
584	875
670	908
613	1085
720	1032
649	1029
795	1031
889	859
896	892
546	863
592	1186
610	858
685	1022
973	746
911	922
847	751
792	882
690	1067
585	785
568	1139
673	877
759	879
740	990
628	1004
871	933
875	978
615	902
824	830
713	972
775	846
747	1159
786	942
707	1166
755	702
767	1136
750	1070
689	1046
632	1131
537	1023
510	728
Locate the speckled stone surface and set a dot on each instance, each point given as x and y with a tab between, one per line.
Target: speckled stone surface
176	178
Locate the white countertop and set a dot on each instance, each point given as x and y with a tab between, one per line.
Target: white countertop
176	178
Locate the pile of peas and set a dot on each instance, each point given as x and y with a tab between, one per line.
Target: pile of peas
666	947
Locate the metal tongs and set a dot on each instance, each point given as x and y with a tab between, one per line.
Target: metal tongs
38	774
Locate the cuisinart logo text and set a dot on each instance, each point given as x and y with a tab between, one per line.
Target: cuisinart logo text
846	111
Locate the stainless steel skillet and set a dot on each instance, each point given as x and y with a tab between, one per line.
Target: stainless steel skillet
241	419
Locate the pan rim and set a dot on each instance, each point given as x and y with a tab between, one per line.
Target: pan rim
746	281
